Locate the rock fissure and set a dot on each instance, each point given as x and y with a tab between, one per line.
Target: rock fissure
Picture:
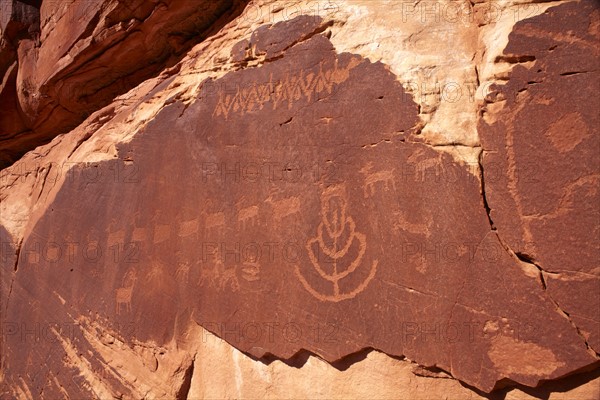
526	259
184	390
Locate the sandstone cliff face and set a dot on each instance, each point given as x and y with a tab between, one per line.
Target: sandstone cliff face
360	198
63	60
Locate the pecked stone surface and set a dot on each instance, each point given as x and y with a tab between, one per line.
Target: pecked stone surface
290	209
541	165
286	206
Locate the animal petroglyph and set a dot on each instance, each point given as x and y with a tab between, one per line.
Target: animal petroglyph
424	164
400	222
373	178
123	294
290	89
188	228
157	271
336	225
162	233
115	236
248	215
139	234
284	208
219	277
215	220
250	271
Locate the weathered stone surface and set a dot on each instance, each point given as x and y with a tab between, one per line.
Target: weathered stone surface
85	53
211	197
19	20
541	163
368	375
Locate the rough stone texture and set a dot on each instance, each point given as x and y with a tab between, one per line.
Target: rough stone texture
368	375
19	21
84	53
129	239
541	151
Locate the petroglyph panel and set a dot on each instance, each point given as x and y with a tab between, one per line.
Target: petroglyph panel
389	243
541	158
289	88
336	238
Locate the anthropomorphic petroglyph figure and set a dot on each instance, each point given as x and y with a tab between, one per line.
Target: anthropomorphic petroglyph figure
336	239
219	277
182	272
228	277
123	294
372	178
207	275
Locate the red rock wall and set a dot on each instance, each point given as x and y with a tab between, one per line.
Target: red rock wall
296	186
65	60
